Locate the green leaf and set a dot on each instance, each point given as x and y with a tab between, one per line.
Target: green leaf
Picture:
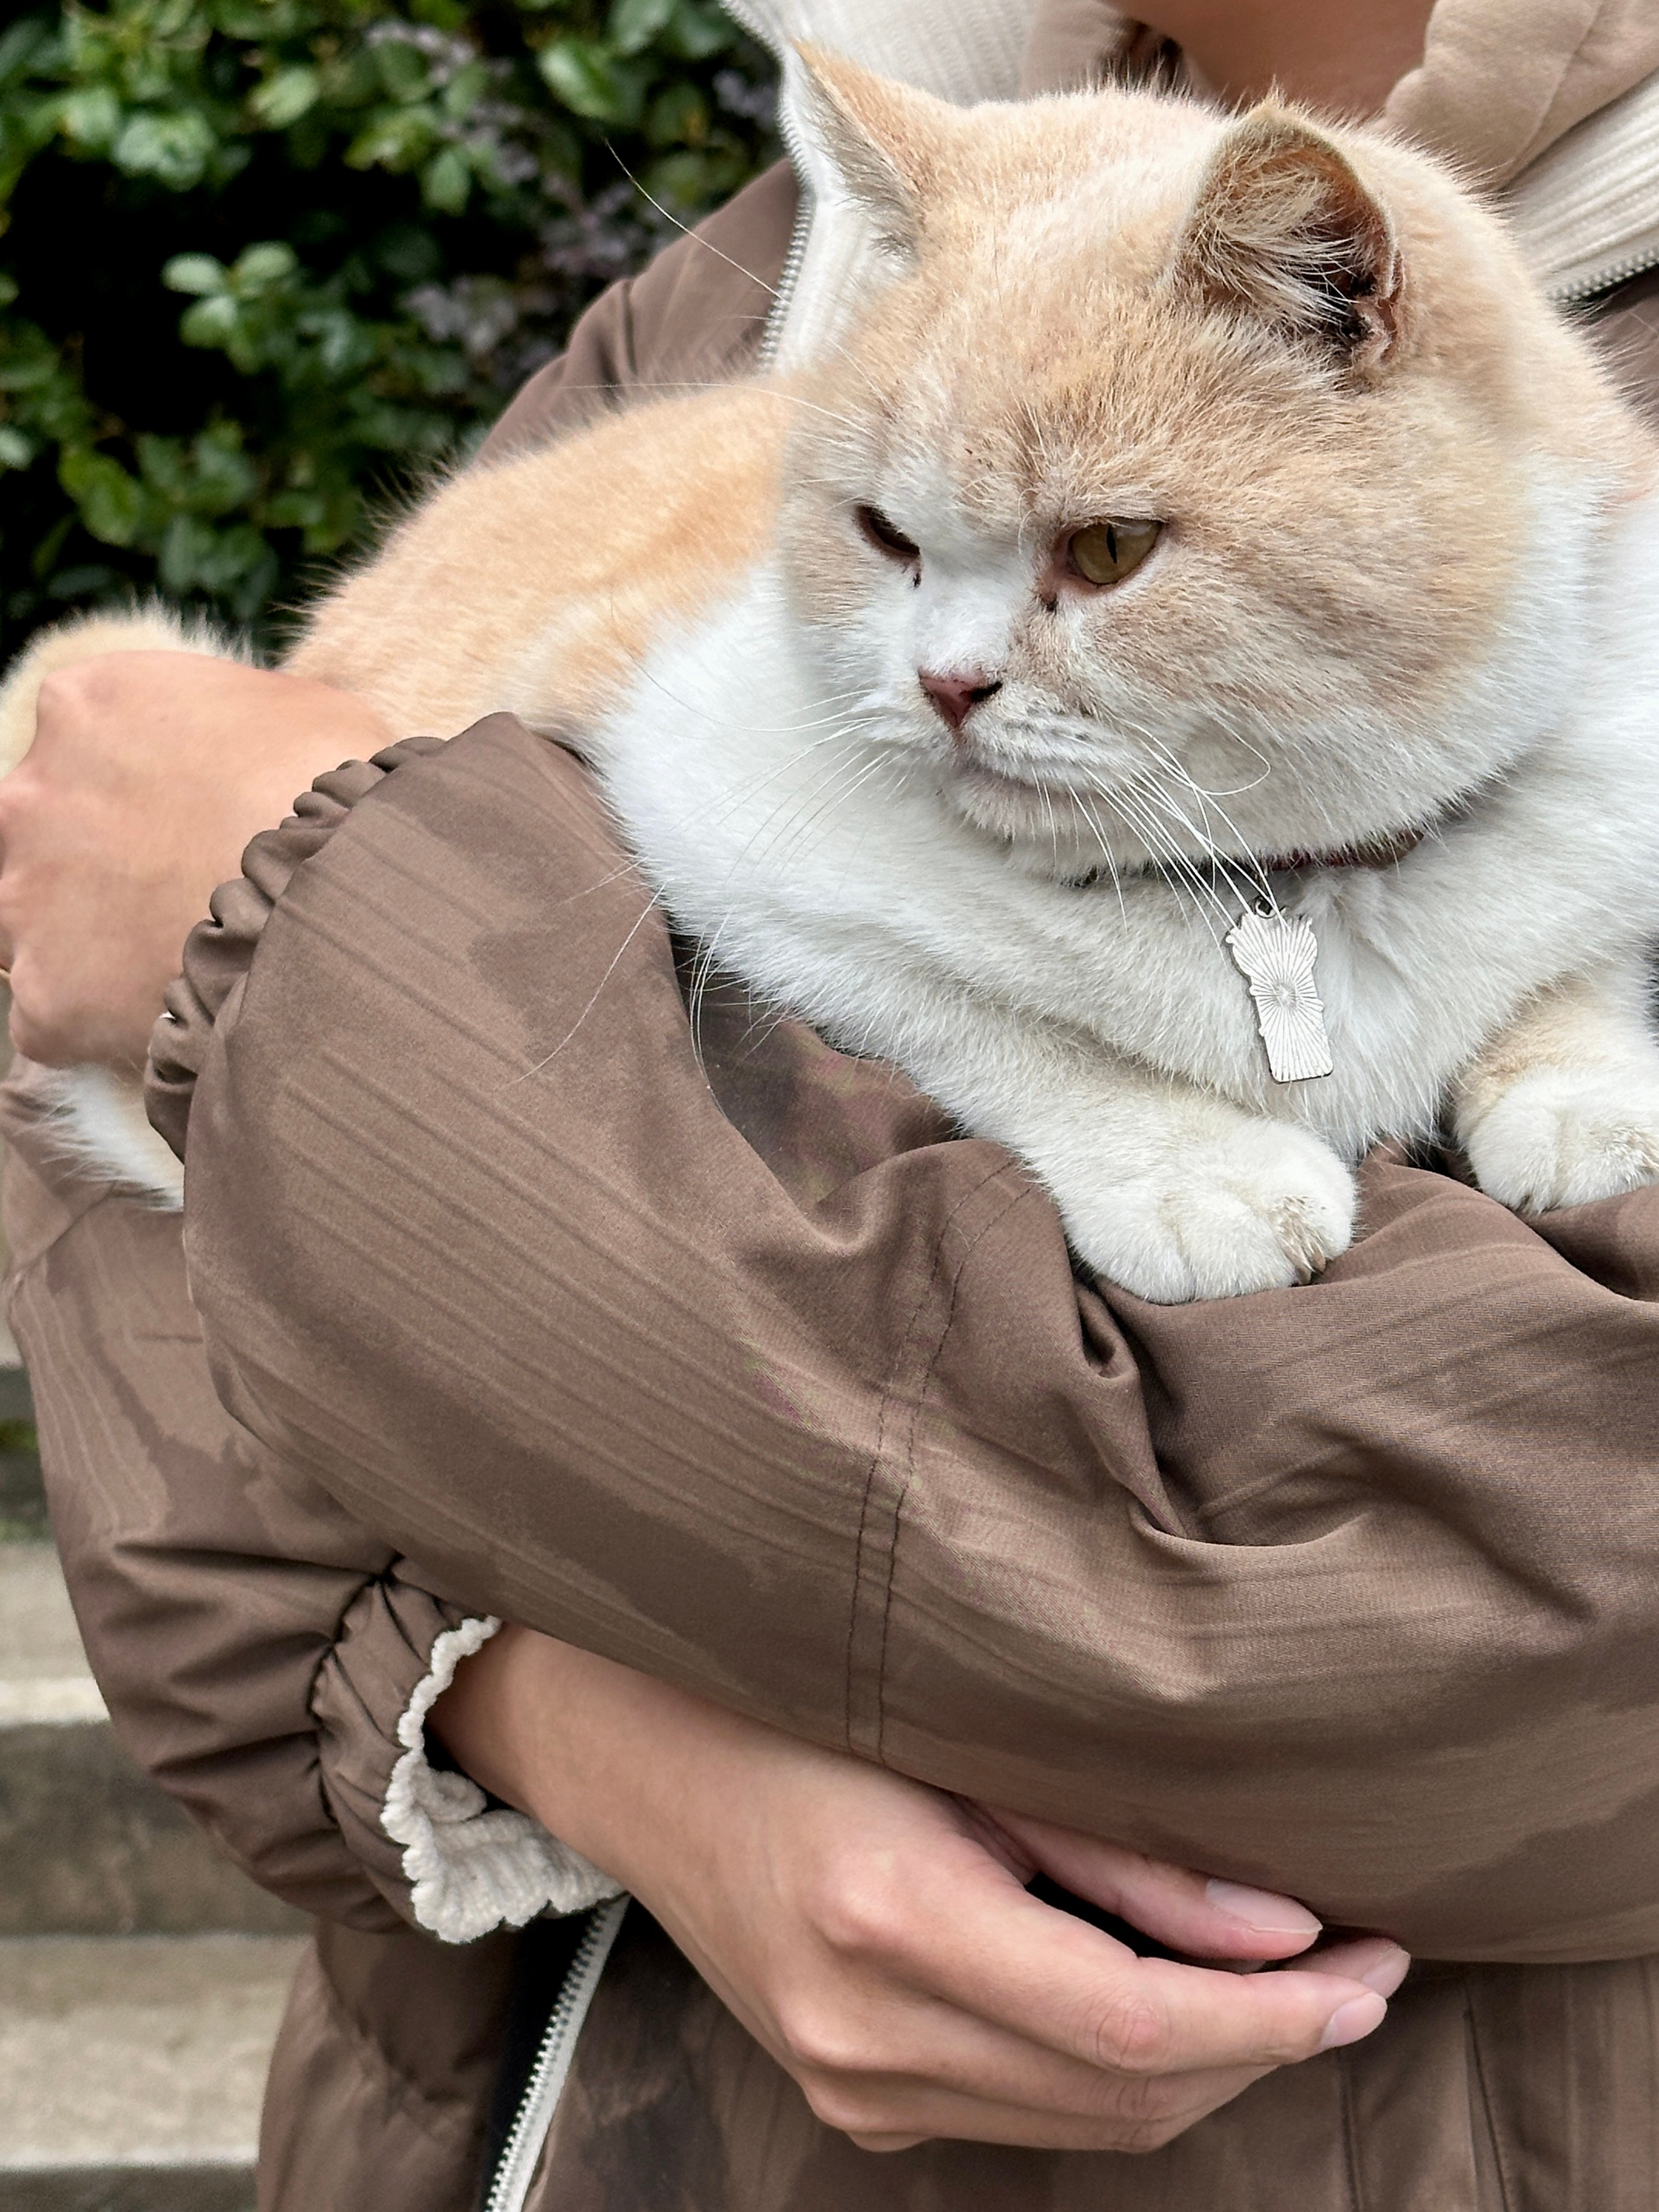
163	461
284	98
16	451
590	82
92	117
258	267
634	24
186	545
174	148
396	139
233	555
465	90
447	181
403	69
678	117
212	322
112	502
195	272
696	31
21	47
8	288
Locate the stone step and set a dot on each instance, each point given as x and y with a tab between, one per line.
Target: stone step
89	1845
131	2069
23	1498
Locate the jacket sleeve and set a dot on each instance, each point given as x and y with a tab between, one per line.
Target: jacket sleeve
260	1654
719	1354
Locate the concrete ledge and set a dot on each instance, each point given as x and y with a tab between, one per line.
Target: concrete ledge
129	2189
134	2059
89	1845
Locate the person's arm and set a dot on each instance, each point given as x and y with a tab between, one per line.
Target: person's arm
1350	1584
282	1676
877	1938
263	1655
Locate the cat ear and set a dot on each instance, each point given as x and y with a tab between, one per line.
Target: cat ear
886	142
1284	228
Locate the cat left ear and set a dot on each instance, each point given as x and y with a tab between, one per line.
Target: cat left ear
885	140
1284	228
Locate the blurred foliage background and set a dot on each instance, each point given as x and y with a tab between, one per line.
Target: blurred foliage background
262	261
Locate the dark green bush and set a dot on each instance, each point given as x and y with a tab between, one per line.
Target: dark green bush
262	260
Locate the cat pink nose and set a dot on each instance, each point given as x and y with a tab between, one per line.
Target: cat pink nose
956	696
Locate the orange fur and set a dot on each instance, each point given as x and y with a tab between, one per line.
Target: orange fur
573	554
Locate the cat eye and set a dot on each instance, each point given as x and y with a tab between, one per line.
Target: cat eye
886	536
1107	552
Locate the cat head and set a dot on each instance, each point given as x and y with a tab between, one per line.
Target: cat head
1185	482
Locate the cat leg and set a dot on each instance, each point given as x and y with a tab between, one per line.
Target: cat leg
1563	1106
1171	1192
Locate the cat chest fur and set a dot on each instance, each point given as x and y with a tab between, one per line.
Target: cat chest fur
840	884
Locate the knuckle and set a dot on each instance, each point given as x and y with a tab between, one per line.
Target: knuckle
67	692
1132	2035
1146	2101
861	1913
819	2042
849	2109
1138	2138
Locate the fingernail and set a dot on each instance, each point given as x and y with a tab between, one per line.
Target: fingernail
1385	1976
1351	2021
1260	1910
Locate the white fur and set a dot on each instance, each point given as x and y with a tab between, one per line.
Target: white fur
1104	1033
99	1121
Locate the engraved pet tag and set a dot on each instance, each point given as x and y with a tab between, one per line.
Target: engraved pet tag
1277	953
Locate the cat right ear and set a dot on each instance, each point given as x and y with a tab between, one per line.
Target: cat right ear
1284	228
885	142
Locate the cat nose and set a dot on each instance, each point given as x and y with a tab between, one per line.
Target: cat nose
956	696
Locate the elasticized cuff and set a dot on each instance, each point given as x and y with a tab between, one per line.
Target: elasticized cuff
472	1868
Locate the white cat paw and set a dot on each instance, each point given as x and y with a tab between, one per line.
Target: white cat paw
1265	1207
1564	1137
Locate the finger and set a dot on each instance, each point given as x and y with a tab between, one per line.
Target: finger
869	2057
1374	1959
1204	1918
886	2114
981	1943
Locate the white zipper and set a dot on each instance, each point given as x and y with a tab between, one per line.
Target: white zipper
1603	280
541	2092
790	275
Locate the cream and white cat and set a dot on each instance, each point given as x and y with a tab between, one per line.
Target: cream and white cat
1202	521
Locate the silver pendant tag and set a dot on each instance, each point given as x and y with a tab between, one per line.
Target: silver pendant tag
1277	952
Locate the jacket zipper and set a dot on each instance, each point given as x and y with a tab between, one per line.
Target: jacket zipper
534	2118
783	298
1621	272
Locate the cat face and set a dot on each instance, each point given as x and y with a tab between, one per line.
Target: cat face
1172	497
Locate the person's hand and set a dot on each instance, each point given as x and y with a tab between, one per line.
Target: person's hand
149	774
876	1935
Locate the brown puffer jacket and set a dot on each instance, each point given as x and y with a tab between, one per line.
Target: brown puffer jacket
1347	1591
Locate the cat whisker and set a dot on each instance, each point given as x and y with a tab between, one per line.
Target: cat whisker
1168	853
1252	877
647	910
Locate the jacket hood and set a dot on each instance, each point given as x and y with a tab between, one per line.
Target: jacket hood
1502	81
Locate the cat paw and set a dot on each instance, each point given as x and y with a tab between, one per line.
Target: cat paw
1565	1136
1264	1208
